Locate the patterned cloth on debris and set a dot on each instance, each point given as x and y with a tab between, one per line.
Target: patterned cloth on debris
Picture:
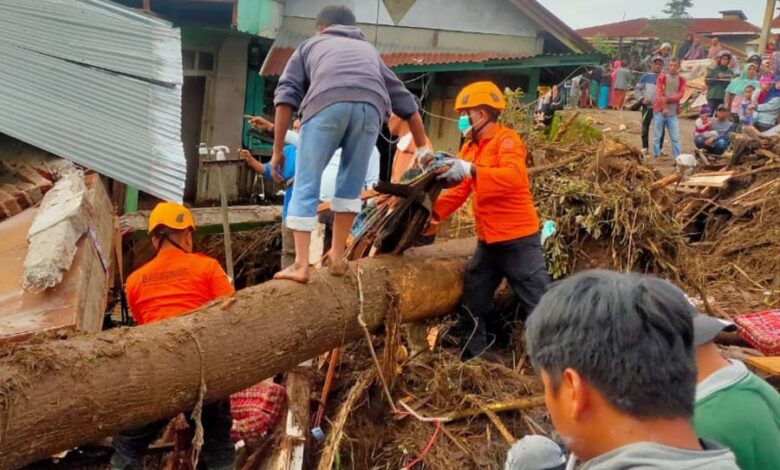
255	411
761	330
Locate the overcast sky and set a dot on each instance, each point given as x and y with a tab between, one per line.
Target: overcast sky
584	13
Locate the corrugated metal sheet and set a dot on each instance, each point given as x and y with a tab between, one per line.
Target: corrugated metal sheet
393	55
98	84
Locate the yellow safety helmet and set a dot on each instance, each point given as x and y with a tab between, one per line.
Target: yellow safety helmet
172	215
479	94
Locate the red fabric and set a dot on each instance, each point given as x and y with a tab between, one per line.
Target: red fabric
256	411
761	330
661	100
620	98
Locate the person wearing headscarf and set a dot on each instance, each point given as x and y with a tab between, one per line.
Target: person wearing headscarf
715	48
665	52
685	46
736	88
696	52
764	84
718	78
767	113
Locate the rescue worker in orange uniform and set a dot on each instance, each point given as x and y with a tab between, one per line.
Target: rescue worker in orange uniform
492	165
175	282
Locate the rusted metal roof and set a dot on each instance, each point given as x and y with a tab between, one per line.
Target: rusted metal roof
644	27
393	55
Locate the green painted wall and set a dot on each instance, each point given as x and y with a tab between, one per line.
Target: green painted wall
200	37
258	17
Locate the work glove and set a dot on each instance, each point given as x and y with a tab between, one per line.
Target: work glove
459	170
423	157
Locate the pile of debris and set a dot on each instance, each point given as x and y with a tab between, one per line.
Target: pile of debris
608	212
712	231
730	213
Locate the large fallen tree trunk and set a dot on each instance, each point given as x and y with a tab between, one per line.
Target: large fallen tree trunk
61	393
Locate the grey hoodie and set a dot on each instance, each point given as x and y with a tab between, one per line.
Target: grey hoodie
339	65
651	456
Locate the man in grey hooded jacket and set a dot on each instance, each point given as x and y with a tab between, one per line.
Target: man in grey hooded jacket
615	353
344	92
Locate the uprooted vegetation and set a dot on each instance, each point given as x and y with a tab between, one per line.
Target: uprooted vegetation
713	232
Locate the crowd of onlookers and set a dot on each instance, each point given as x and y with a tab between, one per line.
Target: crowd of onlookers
738	94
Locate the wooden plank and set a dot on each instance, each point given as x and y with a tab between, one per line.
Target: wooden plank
78	302
208	219
708	181
94	277
767	364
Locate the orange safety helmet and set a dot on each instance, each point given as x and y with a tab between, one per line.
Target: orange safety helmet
479	94
172	215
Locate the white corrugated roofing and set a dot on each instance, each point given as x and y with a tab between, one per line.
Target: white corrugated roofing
98	84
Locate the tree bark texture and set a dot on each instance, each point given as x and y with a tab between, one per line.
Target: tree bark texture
59	393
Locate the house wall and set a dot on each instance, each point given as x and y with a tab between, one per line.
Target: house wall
497	16
223	104
230	88
428	38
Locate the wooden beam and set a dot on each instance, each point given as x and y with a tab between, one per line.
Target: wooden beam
209	219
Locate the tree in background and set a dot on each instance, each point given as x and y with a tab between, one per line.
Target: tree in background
601	43
678	9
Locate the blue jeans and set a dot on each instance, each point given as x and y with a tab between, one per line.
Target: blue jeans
671	125
352	126
718	146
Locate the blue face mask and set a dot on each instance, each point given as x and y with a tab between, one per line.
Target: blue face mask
464	123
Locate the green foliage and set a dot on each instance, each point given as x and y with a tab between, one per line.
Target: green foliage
601	43
517	113
678	9
667	30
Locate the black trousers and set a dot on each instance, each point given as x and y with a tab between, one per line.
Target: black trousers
647	122
521	263
218	450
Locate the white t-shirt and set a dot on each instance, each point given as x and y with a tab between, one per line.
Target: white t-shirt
328	184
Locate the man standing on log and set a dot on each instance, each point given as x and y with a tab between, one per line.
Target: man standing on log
344	92
493	166
176	282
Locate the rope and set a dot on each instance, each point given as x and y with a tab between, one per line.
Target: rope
370	343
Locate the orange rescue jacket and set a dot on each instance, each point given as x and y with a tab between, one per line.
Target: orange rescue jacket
174	283
503	206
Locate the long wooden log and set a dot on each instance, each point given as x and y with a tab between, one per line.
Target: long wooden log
60	393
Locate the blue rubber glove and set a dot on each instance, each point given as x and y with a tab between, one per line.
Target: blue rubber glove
459	170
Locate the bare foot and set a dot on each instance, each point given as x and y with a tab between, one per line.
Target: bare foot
336	267
295	273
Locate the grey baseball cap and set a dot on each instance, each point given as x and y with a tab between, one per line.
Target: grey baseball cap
706	328
535	453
